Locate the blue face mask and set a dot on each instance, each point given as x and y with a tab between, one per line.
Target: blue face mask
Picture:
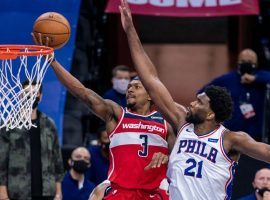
120	85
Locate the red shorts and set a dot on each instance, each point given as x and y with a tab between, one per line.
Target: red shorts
113	193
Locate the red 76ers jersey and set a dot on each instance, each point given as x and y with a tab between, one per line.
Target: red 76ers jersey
133	142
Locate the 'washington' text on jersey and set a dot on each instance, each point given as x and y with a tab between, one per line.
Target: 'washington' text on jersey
198	147
140	125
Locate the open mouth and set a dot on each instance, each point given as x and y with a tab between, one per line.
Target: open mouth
130	96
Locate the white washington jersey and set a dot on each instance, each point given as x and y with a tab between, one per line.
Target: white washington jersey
199	168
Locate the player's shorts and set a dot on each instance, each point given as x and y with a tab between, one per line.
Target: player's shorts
116	193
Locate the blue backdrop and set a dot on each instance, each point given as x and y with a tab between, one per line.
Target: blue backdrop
16	21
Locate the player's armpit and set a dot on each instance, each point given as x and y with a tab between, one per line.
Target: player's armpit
158	159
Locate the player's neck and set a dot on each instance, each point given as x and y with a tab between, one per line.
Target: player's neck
205	128
140	111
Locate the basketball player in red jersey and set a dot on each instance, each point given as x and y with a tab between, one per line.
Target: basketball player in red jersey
138	138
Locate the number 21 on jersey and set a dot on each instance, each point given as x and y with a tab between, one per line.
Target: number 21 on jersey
194	169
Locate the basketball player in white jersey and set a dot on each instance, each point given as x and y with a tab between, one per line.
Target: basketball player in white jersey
202	162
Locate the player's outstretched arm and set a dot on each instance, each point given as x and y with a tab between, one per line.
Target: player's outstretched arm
104	109
244	144
147	72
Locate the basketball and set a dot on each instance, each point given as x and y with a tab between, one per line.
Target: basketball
54	26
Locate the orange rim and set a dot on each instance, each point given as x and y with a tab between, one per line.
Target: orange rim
12	51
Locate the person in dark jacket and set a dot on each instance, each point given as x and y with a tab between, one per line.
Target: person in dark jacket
247	86
31	165
75	186
98	172
261	185
120	81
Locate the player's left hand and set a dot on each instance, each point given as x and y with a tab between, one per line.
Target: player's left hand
247	78
158	159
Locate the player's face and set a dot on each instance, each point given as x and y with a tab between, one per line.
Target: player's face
199	109
136	94
262	179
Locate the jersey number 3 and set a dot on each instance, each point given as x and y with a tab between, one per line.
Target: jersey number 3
144	152
192	170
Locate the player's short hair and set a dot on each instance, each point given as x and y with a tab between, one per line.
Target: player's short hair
136	78
120	68
27	82
220	102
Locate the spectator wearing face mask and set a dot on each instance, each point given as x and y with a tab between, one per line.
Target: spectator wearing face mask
261	185
120	81
98	171
247	85
75	186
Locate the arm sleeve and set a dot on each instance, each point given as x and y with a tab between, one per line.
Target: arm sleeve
4	149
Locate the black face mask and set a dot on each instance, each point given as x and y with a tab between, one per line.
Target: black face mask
36	102
261	191
105	146
246	68
80	166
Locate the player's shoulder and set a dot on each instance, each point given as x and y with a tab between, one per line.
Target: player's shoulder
234	137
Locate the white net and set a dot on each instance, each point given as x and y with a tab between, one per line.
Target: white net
16	100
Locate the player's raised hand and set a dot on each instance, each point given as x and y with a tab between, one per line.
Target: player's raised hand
38	39
158	159
126	17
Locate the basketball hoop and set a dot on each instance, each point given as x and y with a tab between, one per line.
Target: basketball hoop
19	63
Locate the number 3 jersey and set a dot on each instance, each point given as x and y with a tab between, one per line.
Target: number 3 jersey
133	142
199	167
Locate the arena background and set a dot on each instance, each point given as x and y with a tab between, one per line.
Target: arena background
188	52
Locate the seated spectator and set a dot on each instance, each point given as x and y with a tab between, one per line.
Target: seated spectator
261	186
75	186
247	86
98	171
120	81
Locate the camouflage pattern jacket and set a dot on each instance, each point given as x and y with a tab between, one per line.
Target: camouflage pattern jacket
15	166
